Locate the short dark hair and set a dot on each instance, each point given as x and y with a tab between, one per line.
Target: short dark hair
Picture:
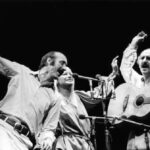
51	54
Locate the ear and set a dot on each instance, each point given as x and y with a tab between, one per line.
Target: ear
48	60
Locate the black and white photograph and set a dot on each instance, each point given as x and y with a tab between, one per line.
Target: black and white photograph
74	75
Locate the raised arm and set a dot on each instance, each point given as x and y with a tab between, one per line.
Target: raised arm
10	68
106	84
129	58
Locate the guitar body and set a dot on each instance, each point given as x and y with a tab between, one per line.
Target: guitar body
131	102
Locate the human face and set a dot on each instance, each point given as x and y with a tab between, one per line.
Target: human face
60	63
144	62
66	78
52	70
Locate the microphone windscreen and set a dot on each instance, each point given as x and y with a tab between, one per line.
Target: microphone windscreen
82	117
75	75
98	76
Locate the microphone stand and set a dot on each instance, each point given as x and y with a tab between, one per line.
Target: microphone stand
91	88
107	134
106	126
93	132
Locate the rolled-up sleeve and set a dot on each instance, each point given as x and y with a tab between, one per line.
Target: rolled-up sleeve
127	63
11	68
102	90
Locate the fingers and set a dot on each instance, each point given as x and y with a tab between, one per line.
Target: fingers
142	34
139	37
115	61
46	145
116	58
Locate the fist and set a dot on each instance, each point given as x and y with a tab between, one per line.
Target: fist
139	37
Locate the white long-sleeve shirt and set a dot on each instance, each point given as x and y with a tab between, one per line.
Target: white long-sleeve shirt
126	67
132	79
27	100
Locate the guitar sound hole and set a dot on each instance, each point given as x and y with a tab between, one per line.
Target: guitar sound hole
139	101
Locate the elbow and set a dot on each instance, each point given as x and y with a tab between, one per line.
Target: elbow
9	73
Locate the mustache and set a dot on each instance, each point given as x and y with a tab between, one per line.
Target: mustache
145	64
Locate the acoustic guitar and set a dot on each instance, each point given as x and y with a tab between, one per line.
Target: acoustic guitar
132	102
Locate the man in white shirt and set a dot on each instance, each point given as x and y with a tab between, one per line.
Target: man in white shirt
139	83
27	102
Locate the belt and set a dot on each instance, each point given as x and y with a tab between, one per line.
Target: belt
20	128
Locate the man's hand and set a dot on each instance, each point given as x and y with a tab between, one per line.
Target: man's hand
45	144
45	141
114	66
139	37
131	50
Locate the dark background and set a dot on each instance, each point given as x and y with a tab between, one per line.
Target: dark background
89	33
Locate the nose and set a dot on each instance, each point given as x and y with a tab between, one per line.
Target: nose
70	75
63	67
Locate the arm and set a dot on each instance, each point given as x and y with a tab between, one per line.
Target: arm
106	84
129	59
104	88
46	136
9	68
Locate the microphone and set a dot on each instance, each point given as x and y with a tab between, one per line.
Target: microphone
98	76
98	118
75	75
84	77
89	117
82	117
